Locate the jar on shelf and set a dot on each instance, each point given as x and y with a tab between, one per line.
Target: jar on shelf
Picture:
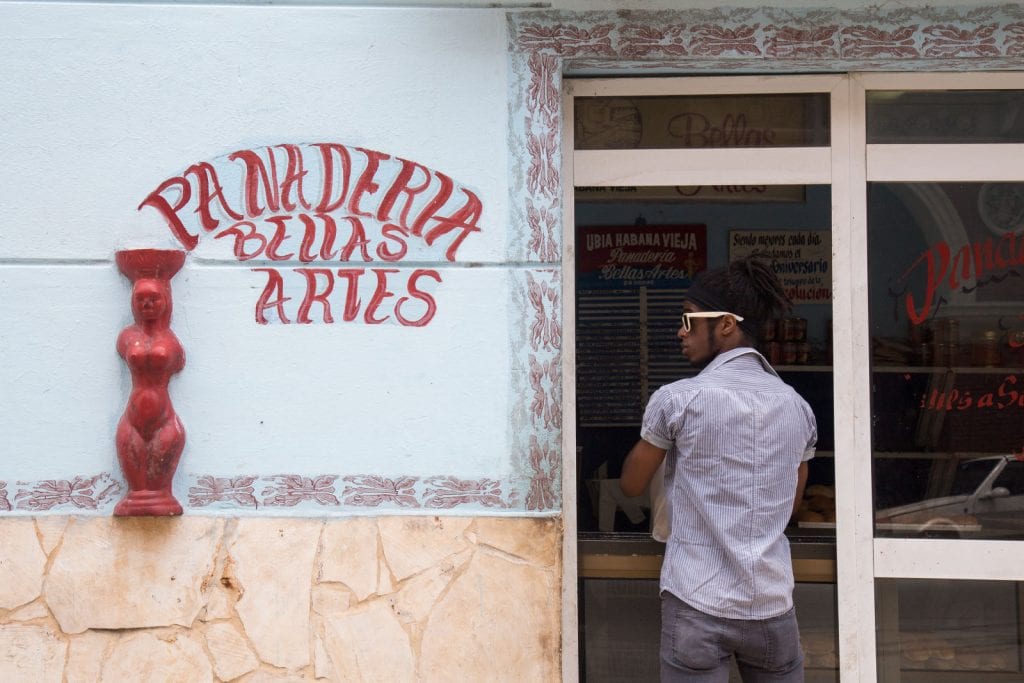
1013	350
794	329
985	351
768	330
946	331
773	352
803	353
946	354
789	353
923	354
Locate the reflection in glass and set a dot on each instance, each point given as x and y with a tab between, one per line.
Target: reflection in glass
695	122
621	631
947	337
943	630
945	116
633	263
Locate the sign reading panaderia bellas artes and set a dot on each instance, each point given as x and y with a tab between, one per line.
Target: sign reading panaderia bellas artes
626	257
326	212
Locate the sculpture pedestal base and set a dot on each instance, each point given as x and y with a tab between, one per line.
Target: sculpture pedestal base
148	504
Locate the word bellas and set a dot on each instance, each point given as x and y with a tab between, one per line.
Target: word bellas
319	179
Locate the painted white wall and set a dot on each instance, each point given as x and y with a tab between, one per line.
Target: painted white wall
101	103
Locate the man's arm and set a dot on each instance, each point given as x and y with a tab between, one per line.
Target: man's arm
801	482
639	468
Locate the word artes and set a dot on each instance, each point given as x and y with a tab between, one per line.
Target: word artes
974	262
1003	397
338	292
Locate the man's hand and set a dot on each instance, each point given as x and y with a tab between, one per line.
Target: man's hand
639	468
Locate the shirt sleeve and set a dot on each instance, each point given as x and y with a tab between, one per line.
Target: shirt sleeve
812	434
657	428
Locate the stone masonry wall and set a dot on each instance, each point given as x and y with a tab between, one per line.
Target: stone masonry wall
192	599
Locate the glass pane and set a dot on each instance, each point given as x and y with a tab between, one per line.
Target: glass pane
620	631
634	263
819	633
945	116
940	630
947	334
799	120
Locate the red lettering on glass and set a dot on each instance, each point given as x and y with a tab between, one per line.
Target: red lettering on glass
1002	397
974	262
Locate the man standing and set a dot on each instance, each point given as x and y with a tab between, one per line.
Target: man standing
737	439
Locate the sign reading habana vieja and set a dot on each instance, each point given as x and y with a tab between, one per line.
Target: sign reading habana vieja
325	204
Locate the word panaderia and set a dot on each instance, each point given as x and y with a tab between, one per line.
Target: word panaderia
324	207
971	266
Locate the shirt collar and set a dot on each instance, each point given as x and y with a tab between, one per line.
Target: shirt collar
732	354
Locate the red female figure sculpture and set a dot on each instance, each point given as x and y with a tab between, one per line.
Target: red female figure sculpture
150	437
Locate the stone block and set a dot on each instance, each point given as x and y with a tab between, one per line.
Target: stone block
114	573
21	563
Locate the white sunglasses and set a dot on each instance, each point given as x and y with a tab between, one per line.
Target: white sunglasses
688	325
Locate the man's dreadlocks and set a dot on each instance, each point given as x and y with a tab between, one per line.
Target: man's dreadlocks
746	287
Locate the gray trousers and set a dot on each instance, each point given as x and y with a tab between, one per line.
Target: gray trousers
698	648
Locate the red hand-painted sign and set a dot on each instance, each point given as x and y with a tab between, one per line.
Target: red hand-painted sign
322	204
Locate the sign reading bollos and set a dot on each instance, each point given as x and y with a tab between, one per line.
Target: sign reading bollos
320	205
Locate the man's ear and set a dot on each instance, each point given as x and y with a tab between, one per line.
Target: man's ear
729	325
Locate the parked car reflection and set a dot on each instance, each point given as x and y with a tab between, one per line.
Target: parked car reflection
987	501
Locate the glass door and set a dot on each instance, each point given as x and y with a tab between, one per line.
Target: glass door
908	559
945	303
672	176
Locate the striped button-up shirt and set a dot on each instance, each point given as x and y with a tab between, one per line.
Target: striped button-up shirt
735	435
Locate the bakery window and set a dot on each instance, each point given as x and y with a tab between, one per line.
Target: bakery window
946	262
634	262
